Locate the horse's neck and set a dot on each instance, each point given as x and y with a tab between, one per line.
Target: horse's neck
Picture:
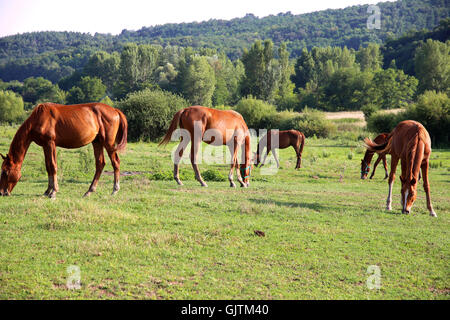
20	144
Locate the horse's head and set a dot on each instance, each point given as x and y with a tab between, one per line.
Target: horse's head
365	164
10	175
246	170
409	193
365	169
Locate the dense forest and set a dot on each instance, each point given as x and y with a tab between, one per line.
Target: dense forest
55	55
267	69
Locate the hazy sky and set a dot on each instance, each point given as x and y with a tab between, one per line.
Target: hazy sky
112	16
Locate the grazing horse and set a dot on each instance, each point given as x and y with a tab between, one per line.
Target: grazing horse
215	127
411	143
365	163
285	139
51	125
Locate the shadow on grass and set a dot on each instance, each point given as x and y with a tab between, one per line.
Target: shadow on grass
300	204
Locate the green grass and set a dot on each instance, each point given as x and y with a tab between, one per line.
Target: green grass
155	240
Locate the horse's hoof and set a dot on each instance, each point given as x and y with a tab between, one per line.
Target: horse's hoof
388	208
52	196
114	192
86	195
204	185
433	214
179	182
232	185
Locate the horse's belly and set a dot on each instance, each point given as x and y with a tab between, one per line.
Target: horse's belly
74	137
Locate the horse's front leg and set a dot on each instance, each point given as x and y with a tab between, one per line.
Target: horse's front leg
51	166
274	152
195	145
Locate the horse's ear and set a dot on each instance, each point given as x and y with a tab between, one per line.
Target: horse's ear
4	157
413	181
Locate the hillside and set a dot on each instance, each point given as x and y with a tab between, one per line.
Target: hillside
55	55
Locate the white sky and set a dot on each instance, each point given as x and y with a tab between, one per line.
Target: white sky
112	16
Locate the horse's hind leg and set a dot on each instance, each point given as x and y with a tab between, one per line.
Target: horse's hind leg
426	187
176	162
375	166
99	165
51	166
385	166
299	158
394	162
115	161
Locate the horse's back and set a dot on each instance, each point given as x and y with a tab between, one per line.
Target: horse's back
71	126
406	133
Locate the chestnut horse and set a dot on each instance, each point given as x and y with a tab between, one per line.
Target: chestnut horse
285	139
365	162
216	127
51	125
411	143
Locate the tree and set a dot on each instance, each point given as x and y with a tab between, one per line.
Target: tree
199	82
261	71
432	65
11	107
36	90
87	90
392	88
104	66
369	58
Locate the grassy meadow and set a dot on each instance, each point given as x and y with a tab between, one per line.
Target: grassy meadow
156	240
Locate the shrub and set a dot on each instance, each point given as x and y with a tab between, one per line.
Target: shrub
213	175
432	110
149	113
368	110
310	122
382	122
11	107
256	112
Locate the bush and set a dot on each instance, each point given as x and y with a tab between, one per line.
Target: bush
310	122
11	107
369	110
149	113
382	122
432	110
256	112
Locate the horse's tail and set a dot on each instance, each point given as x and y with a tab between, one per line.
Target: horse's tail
302	144
416	153
173	126
383	147
122	133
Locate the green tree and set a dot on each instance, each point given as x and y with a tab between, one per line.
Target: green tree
199	82
87	90
369	58
104	66
11	107
261	71
432	65
36	90
392	88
